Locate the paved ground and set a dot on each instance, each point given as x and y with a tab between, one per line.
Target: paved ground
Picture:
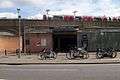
60	59
60	72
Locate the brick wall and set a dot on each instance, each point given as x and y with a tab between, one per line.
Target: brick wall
39	41
9	43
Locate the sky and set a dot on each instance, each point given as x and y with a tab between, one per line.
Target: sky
36	8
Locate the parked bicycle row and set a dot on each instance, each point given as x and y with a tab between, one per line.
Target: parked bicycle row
74	53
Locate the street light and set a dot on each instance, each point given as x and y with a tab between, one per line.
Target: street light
20	37
47	12
74	12
77	29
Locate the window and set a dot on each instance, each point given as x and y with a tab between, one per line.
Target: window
43	42
27	42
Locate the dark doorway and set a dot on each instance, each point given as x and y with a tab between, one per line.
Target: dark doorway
63	41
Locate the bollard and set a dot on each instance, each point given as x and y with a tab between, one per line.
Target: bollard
18	52
5	52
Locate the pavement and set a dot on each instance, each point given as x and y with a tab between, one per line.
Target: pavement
61	59
60	72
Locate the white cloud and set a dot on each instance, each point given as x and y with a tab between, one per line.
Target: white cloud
90	8
64	7
8	15
31	2
38	2
107	8
6	4
84	8
37	16
67	7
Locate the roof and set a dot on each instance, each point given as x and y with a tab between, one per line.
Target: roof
6	34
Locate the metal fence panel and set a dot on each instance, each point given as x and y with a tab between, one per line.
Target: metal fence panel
99	39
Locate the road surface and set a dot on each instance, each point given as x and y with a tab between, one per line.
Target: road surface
60	72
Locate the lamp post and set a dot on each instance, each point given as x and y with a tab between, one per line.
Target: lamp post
74	12
47	11
77	28
20	37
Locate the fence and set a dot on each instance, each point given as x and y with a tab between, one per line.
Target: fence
101	39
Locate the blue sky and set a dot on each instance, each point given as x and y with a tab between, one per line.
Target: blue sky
36	8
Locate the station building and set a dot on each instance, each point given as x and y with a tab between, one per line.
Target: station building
58	33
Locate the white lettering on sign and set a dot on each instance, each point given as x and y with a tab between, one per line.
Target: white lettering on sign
38	44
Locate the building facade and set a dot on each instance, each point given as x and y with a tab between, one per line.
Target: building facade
57	34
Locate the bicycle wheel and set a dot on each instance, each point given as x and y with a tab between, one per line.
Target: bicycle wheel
70	54
99	55
42	56
54	55
85	55
114	54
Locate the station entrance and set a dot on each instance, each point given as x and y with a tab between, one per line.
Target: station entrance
63	41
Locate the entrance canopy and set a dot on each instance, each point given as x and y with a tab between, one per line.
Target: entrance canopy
64	29
6	34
